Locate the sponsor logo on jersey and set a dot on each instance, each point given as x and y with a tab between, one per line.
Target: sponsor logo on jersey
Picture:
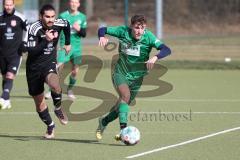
9	30
157	41
13	23
9	35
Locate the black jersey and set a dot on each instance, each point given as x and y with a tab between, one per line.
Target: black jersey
11	32
40	51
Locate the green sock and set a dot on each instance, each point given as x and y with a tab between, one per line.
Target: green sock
72	82
110	117
123	114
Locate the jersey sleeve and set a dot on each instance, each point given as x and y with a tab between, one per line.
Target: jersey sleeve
65	26
117	31
84	22
154	41
67	32
32	43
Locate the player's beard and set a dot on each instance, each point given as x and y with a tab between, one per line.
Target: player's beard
9	11
48	25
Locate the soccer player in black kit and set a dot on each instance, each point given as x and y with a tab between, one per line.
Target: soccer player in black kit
12	25
41	43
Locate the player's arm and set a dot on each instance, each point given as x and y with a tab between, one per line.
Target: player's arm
24	25
164	52
81	28
82	32
115	31
34	46
159	45
67	34
101	35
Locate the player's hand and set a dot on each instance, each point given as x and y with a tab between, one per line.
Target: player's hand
76	26
150	63
102	41
67	48
49	35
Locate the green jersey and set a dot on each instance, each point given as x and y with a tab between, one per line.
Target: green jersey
80	18
133	53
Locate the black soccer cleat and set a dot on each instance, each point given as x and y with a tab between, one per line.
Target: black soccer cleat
61	116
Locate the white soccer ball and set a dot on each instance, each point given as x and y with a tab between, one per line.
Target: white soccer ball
130	135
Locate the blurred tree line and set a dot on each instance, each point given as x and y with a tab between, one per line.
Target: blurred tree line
178	13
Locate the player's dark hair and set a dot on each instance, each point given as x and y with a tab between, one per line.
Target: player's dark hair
138	18
46	7
3	2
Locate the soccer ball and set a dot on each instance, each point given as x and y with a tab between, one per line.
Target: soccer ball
130	135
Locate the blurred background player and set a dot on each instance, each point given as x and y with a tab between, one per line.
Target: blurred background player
12	25
78	25
135	45
41	63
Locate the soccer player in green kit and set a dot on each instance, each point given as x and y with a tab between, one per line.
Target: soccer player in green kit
135	45
78	24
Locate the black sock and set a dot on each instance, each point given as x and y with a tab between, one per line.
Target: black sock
3	82
123	125
45	117
7	87
57	99
110	117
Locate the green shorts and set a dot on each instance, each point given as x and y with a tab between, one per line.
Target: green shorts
75	56
134	85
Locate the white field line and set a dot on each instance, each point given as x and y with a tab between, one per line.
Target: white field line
183	143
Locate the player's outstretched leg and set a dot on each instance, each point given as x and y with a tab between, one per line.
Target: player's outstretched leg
72	82
5	104
100	129
50	132
56	93
123	116
61	115
46	118
7	85
103	122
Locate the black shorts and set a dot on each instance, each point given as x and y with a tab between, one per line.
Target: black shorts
37	76
10	64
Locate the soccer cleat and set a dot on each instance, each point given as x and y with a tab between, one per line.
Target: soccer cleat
100	129
118	137
61	115
48	95
50	132
5	104
71	94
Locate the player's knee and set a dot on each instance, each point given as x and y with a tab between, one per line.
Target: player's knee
40	106
56	89
10	75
